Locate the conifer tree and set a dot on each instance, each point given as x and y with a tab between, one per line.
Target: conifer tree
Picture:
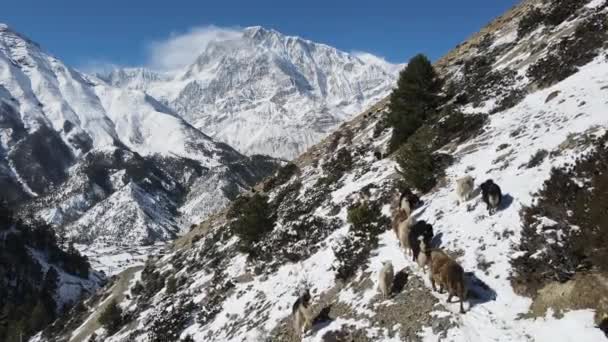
414	99
253	218
111	317
416	166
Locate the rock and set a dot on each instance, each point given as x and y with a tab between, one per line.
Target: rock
551	96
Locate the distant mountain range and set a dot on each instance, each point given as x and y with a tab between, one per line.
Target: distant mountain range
267	93
103	162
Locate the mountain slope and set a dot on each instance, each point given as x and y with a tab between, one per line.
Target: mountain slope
267	93
227	288
104	162
38	280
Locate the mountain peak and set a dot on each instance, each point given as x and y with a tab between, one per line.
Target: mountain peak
6	30
268	93
261	34
258	31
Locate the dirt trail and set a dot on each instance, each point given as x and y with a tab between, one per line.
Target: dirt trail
118	292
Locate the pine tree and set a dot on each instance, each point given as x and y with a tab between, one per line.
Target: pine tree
40	317
253	218
50	286
111	317
171	286
75	262
15	331
414	99
45	310
416	166
6	215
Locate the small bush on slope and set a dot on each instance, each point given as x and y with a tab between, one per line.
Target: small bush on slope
560	10
335	167
153	281
571	52
566	230
482	82
169	323
352	252
253	218
529	22
454	124
299	231
295	241
281	177
111	317
215	294
171	284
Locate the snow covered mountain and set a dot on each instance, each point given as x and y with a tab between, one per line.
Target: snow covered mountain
103	162
531	111
266	93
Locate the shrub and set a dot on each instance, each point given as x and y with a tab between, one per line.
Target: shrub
253	218
335	168
111	317
455	124
381	125
171	285
485	42
137	288
297	240
215	294
27	296
571	52
365	219
353	250
482	82
282	176
169	323
415	97
537	158
152	280
513	97
76	263
529	22
565	231
562	10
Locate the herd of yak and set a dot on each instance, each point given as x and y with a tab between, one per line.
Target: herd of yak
415	238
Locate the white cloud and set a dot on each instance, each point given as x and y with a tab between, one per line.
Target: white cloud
379	61
181	49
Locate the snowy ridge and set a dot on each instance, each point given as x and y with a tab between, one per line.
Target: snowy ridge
104	162
267	93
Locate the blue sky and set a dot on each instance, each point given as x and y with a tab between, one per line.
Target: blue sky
133	32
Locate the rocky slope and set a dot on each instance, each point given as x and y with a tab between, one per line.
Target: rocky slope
266	93
545	106
105	163
38	279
